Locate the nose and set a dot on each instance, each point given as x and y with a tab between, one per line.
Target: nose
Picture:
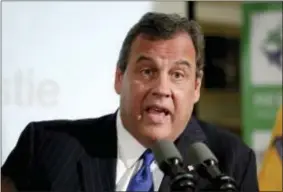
161	87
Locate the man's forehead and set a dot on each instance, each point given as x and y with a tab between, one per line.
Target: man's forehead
180	62
179	46
180	39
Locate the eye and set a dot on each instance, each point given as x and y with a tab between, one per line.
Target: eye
146	72
177	75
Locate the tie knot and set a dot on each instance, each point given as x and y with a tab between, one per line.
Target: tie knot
147	157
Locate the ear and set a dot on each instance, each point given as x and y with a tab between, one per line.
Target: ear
198	83
118	80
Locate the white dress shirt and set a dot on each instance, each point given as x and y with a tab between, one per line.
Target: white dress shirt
128	163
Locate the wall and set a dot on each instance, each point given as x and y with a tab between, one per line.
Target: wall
59	60
219	12
222	108
179	7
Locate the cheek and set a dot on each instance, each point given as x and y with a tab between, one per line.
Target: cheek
135	94
184	99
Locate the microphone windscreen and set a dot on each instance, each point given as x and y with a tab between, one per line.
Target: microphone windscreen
199	152
165	150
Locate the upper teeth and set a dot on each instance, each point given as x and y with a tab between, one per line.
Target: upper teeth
159	109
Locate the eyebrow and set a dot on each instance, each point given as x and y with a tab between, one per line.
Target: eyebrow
179	62
183	62
144	58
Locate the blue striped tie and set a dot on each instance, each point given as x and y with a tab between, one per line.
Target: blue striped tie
142	180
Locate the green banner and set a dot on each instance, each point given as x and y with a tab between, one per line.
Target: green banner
261	72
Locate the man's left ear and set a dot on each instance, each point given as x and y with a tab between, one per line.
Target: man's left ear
118	80
198	83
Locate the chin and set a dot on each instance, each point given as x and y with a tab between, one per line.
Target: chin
157	132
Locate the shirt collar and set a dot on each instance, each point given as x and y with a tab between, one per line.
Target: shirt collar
129	149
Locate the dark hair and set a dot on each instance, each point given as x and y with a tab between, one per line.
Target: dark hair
163	26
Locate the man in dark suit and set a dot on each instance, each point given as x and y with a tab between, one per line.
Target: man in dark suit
158	78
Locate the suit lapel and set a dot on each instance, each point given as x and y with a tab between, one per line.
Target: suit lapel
97	167
192	133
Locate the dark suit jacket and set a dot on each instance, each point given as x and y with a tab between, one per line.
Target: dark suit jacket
80	155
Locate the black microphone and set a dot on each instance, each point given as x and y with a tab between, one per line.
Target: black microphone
206	165
170	162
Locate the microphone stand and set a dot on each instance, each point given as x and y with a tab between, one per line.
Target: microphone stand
221	182
225	183
181	180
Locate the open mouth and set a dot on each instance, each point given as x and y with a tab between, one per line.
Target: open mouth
157	110
157	114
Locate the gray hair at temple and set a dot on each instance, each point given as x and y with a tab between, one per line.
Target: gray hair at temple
161	26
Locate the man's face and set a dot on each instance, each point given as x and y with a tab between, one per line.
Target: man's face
159	87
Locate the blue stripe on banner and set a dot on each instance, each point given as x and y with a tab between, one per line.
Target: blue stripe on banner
278	141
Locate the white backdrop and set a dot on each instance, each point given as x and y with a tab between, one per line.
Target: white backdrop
58	60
